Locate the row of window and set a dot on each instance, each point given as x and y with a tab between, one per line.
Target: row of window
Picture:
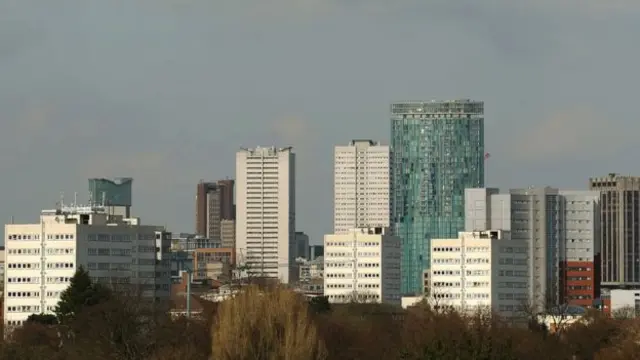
60	236
111	280
23	251
36	251
109	266
350	264
510	261
23	237
368	286
458	284
114	252
513	273
90	237
351	243
60	251
517	250
64	265
579	269
37	237
512	285
121	237
24	309
24	265
23	280
23	294
346	297
350	276
339	286
512	296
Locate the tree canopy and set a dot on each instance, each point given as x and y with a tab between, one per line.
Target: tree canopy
82	292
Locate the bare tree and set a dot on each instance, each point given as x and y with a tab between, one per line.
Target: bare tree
625	312
273	324
438	299
542	313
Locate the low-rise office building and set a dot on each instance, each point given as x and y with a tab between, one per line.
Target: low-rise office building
41	258
363	266
480	270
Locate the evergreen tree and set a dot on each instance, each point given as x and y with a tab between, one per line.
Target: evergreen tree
81	292
44	319
320	304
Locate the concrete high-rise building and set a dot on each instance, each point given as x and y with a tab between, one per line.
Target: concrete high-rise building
619	230
202	206
363	265
228	233
561	230
480	269
214	203
265	212
115	194
360	186
437	150
41	258
227	206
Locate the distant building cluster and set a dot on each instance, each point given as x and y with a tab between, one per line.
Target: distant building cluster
413	220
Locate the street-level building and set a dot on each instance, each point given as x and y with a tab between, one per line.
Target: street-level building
362	266
480	270
41	258
562	230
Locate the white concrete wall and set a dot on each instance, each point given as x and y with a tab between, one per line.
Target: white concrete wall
265	195
361	186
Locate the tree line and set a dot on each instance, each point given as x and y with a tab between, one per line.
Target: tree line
270	322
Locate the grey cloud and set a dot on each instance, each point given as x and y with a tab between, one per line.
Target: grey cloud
166	91
579	133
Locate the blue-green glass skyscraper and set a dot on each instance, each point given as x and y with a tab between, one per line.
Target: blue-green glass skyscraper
437	152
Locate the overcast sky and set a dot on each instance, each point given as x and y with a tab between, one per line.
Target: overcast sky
167	91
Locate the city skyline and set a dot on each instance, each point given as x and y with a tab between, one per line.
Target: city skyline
80	100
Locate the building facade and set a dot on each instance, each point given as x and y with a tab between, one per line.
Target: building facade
619	230
302	245
561	230
41	258
437	150
115	194
361	186
266	221
214	204
480	270
228	233
213	263
362	266
624	303
311	269
315	251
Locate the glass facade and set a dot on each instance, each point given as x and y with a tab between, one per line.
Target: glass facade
114	192
437	152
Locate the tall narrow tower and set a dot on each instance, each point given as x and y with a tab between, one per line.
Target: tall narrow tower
437	150
214	206
266	212
619	230
360	186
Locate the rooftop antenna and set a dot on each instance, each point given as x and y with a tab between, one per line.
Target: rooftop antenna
75	199
104	198
91	199
61	199
12	219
